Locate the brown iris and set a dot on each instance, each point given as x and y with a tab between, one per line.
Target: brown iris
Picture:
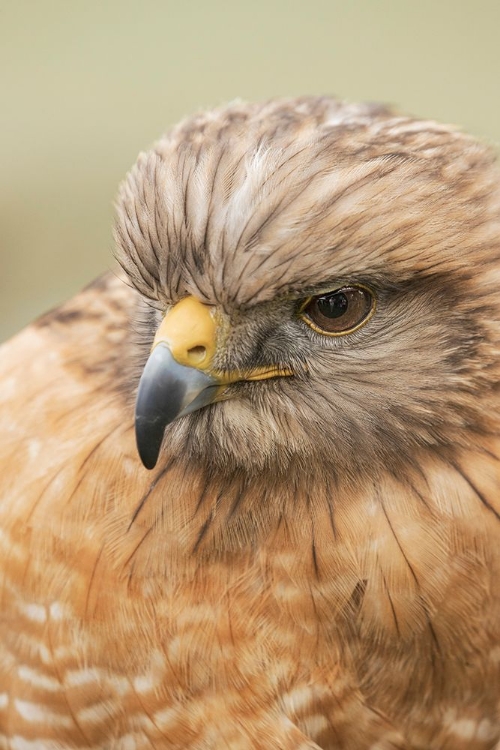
339	312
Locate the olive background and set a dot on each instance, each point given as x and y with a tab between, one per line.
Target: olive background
86	85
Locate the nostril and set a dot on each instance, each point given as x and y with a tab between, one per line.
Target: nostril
196	354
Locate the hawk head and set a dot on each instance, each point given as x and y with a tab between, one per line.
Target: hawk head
319	281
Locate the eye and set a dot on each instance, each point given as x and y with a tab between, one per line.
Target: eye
339	312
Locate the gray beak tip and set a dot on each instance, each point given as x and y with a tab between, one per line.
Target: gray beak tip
148	439
167	390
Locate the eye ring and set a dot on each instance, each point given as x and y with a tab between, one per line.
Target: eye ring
339	320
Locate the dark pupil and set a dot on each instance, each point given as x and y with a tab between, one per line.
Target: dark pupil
333	305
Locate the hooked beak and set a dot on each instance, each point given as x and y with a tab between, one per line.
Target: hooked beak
178	378
167	390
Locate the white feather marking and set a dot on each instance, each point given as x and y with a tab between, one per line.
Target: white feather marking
56	611
313	725
165	716
486	730
21	743
130	742
13	550
154	676
495	654
144	684
463	728
36	712
286	591
88	676
469	728
34	612
298	699
45	654
38	679
78	677
34	447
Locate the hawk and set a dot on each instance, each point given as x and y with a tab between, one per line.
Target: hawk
250	483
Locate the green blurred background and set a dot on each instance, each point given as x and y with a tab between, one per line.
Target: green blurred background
85	86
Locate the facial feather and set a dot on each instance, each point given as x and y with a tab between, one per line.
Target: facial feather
253	208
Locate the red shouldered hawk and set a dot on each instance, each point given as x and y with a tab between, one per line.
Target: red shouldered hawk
309	557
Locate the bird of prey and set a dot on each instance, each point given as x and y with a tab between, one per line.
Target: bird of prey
250	482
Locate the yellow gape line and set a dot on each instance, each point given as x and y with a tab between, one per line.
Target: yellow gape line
190	329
